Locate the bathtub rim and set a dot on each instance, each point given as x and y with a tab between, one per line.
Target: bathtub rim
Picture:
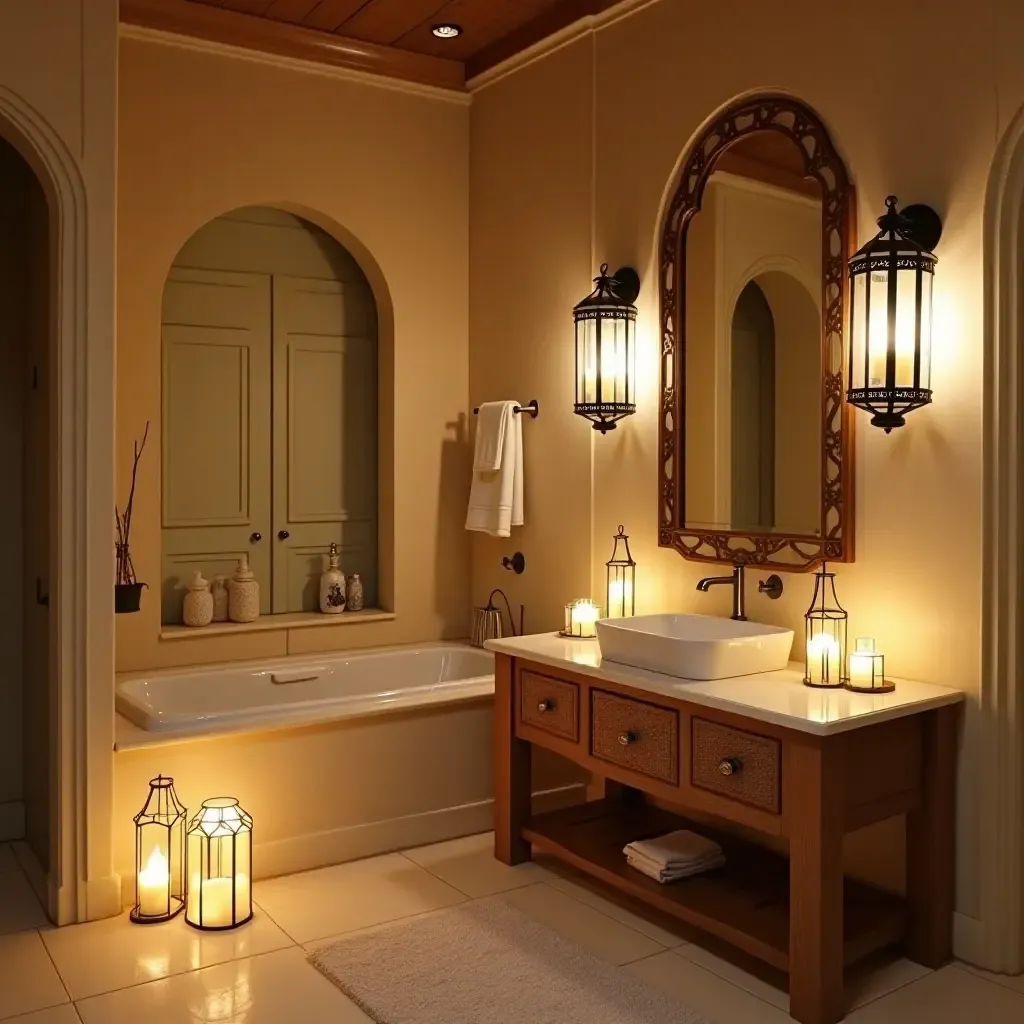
130	736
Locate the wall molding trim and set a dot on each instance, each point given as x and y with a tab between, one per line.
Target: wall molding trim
516	51
285	45
1001	782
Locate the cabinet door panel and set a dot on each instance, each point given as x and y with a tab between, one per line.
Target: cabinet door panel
325	434
216	428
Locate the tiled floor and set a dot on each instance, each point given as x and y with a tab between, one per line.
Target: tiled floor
111	972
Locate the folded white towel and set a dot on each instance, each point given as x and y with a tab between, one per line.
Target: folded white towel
665	875
496	496
677	849
494	420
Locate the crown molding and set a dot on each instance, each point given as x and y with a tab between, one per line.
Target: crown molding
549	31
285	45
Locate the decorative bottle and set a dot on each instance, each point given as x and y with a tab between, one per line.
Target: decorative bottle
332	585
198	606
219	589
354	593
243	594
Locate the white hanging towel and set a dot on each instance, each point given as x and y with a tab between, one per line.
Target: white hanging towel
496	496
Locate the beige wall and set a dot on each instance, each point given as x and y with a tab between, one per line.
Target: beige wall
385	171
655	77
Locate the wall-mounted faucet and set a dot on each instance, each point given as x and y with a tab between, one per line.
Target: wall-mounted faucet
771	586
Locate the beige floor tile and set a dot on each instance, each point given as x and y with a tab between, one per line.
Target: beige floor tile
105	955
275	988
20	911
345	897
877	977
470	866
65	1014
1011	981
651	924
949	996
28	980
717	999
7	861
729	969
602	935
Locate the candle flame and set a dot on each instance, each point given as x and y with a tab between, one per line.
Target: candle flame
155	872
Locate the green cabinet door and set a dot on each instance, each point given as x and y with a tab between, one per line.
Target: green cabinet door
216	473
325	436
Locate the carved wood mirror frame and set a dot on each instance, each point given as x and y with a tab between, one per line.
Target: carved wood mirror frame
796	553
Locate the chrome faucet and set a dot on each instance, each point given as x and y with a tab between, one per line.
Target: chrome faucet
771	586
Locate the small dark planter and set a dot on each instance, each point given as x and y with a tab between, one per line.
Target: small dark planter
127	597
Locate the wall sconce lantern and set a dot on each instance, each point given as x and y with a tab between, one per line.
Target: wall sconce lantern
891	315
606	349
219	866
825	634
621	579
159	855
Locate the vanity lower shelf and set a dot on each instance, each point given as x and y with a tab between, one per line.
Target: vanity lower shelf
746	903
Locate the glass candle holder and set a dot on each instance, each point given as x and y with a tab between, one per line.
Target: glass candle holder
581	620
159	855
867	669
825	634
219	864
621	572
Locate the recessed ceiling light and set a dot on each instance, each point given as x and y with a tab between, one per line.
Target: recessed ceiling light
447	31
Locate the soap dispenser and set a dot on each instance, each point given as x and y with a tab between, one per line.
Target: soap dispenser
332	585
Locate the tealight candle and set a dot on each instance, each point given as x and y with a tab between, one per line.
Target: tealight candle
867	669
580	619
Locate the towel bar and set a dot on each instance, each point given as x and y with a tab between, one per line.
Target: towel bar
531	408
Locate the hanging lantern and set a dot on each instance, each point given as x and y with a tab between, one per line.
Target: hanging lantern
891	316
606	349
621	578
219	866
825	634
159	855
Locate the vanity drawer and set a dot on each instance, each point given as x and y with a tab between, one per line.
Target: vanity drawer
635	735
737	764
550	704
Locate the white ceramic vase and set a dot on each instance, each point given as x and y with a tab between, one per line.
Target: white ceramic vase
244	594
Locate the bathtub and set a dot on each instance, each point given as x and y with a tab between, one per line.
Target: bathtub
299	691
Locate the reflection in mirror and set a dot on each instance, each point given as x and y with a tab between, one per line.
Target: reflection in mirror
753	323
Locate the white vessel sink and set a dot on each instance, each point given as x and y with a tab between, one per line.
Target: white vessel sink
695	646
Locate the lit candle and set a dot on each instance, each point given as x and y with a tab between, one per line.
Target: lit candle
216	901
823	660
584	615
620	597
154	885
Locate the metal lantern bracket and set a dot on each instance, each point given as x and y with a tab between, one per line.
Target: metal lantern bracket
625	284
921	224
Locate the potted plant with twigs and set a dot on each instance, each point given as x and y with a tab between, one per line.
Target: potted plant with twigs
127	588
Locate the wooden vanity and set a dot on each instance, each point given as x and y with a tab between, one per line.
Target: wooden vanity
765	753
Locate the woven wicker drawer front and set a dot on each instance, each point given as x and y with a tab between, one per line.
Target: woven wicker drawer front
635	735
737	764
550	704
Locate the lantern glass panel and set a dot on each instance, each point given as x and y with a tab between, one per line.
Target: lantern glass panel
219	866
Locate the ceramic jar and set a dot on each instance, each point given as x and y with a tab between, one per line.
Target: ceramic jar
219	589
332	585
243	594
354	593
198	606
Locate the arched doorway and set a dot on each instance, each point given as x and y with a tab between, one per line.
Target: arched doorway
269	410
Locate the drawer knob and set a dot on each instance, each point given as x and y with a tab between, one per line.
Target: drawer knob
546	705
625	738
730	765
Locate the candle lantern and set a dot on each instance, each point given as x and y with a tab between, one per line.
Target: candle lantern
159	855
219	866
606	349
825	634
580	620
867	669
621	578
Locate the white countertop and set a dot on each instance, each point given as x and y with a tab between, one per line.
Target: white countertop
777	697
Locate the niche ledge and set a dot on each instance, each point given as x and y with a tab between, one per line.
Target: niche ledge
269	623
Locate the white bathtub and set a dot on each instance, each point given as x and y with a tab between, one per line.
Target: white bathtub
298	691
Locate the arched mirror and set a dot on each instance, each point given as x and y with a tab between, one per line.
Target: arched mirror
756	463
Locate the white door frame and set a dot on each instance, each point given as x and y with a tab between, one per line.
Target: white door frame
1002	685
81	884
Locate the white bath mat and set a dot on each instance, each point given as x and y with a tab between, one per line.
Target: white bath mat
487	963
